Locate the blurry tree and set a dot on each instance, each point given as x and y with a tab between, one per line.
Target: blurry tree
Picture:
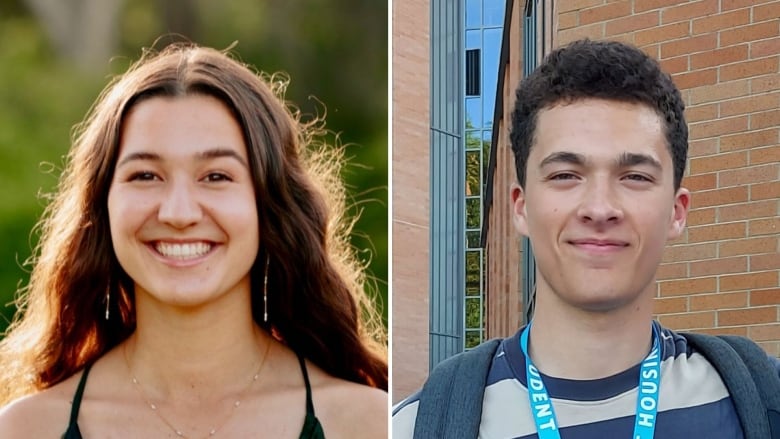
82	31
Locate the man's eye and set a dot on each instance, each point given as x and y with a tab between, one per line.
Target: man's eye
563	176
638	177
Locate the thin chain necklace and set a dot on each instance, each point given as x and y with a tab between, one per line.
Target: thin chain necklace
217	427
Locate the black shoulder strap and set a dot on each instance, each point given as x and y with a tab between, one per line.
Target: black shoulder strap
749	377
451	399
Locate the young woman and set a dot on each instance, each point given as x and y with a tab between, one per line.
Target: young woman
193	277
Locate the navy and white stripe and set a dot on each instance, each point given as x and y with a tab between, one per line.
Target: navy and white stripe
693	400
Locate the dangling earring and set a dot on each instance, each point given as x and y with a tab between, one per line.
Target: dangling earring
108	301
265	291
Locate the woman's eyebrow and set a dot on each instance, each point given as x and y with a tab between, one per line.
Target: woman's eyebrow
203	155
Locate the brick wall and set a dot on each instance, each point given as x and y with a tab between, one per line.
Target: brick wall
723	275
410	196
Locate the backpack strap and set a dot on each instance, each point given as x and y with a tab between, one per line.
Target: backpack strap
451	399
749	377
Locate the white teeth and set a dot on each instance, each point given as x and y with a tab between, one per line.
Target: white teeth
183	251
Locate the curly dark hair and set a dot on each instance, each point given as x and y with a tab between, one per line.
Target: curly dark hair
605	70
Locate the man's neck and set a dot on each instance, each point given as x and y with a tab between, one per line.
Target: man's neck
565	342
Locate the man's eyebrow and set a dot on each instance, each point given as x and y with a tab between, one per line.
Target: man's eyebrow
563	157
204	155
630	159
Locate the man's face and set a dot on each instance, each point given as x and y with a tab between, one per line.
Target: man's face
599	202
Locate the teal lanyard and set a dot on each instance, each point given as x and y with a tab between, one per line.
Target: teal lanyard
646	405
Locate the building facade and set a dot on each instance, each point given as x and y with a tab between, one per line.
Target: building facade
721	276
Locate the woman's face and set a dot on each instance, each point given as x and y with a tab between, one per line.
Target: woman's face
182	204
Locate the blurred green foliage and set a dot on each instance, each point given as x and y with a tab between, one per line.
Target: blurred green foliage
334	52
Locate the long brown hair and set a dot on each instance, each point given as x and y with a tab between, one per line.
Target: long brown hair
317	302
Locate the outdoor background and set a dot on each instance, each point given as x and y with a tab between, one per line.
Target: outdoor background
56	56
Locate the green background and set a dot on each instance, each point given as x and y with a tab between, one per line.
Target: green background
335	53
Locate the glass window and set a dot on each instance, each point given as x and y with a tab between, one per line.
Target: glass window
473	212
494	13
473	13
473	168
491	55
472	239
473	39
473	338
474	112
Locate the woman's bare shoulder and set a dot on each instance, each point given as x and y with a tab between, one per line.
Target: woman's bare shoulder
43	414
348	409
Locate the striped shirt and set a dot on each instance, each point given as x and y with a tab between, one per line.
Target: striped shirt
693	400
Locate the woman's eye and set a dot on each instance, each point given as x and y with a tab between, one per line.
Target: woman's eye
142	176
217	176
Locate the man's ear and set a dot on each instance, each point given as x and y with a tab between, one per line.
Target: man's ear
682	201
517	197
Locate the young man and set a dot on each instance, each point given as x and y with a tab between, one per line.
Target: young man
600	145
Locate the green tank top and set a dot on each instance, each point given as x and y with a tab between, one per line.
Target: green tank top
311	425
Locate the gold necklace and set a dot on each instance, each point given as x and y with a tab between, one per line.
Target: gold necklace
213	430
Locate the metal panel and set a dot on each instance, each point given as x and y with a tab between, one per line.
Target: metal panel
447	176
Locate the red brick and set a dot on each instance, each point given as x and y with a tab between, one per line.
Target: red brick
593	31
770	347
717	232
759	49
770	154
696	79
769	261
701	43
763	279
765	191
747	316
632	23
672	271
704	302
751	104
719	197
605	12
765	119
701	182
752	210
745	176
750	139
717	22
768	226
661	33
669	305
691	320
700	217
720	91
701	165
718	127
748	69
703	147
572	5
568	20
737	264
694	252
646	5
764	332
765	83
747	246
732	330
765	297
690	10
727	5
766	12
688	286
751	32
675	65
719	57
